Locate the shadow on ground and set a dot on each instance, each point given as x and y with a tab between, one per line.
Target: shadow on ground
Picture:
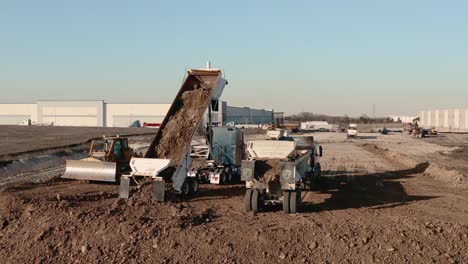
360	190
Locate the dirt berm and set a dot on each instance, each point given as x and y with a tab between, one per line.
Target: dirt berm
451	177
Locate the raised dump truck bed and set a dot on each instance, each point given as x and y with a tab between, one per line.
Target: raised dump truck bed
167	157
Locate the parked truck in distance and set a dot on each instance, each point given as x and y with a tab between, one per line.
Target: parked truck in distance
352	131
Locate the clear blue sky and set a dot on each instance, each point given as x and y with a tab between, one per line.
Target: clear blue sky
331	57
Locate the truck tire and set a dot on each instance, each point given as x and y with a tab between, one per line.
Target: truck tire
185	190
222	176
193	186
286	202
247	200
255	200
228	172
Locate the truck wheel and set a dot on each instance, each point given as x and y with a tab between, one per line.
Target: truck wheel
185	190
286	202
228	172
247	200
193	184
294	199
222	177
255	200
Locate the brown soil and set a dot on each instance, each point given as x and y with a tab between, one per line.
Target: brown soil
452	177
268	171
177	133
385	213
25	141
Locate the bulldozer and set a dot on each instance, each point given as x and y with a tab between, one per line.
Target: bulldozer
107	159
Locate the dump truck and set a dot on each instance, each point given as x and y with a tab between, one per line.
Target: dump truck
167	160
107	159
277	171
218	161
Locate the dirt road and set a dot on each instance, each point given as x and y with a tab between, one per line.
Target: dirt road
387	212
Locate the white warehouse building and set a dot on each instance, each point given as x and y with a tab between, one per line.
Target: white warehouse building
447	120
98	113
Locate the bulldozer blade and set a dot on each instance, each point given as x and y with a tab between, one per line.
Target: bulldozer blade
90	170
124	191
158	191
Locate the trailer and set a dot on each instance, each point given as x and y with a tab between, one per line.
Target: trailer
219	161
297	168
167	160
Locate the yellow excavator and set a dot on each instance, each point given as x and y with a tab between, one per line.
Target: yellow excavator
107	159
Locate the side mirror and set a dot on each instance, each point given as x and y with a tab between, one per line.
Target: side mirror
320	151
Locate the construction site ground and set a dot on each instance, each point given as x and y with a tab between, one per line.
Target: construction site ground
399	200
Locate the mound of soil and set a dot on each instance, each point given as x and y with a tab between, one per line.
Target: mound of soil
452	177
62	220
177	133
268	171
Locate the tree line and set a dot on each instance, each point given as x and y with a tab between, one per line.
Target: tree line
363	119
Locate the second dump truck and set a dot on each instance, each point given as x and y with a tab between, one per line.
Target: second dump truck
291	165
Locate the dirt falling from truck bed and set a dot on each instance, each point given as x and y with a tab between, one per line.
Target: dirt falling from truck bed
268	171
178	130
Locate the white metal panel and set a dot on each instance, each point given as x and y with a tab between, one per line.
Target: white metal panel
126	121
119	115
13	114
429	119
70	121
272	149
456	118
446	118
466	119
13	119
69	110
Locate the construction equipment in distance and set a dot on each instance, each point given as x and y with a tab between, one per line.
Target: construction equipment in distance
107	159
218	162
299	165
174	172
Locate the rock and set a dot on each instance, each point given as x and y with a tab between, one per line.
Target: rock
351	245
63	204
39	236
313	245
84	249
282	255
365	240
390	249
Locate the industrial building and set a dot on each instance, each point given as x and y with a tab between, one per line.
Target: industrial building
99	113
447	120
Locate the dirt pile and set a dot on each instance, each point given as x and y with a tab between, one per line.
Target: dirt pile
452	177
63	220
177	133
268	171
403	219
